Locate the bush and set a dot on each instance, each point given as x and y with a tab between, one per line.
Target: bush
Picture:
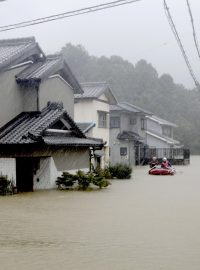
67	180
6	186
83	179
120	171
105	173
100	182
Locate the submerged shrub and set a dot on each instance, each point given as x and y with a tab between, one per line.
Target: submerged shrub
84	180
104	173
66	180
120	171
6	185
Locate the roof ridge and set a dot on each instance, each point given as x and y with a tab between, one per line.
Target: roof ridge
54	56
93	83
14	41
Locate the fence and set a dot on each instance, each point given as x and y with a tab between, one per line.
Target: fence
178	156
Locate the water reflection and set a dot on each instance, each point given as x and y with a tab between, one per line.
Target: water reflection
146	223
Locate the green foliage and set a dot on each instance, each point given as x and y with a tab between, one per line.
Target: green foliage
6	185
141	85
120	171
104	173
84	180
67	180
101	182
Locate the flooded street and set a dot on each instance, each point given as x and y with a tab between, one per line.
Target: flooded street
146	223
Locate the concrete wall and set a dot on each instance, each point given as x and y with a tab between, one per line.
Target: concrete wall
56	89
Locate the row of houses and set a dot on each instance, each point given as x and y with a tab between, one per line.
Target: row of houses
49	122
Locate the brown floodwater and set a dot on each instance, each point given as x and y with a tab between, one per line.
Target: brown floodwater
145	223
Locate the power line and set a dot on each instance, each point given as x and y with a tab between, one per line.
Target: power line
174	30
193	28
67	14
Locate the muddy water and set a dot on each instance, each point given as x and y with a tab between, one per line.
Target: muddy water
146	223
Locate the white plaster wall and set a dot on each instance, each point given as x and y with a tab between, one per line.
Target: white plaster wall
42	178
11	96
87	111
70	160
55	89
8	167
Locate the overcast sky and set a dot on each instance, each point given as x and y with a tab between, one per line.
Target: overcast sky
135	31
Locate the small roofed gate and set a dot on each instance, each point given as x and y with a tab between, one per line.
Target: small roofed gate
178	156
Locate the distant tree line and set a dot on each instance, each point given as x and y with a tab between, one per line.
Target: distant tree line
140	85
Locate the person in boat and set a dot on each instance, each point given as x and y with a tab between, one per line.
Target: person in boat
165	163
154	162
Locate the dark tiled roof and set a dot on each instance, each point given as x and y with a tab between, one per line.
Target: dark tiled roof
85	127
53	64
129	135
29	127
15	51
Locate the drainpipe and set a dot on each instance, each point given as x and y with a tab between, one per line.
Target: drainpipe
37	87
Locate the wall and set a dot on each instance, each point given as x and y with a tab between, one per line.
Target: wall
86	110
154	142
11	96
52	167
56	89
29	99
70	160
154	126
8	167
115	146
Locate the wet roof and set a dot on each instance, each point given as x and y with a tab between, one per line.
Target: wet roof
127	107
93	90
14	51
39	127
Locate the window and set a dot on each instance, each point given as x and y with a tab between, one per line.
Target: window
133	121
123	151
142	124
115	122
102	119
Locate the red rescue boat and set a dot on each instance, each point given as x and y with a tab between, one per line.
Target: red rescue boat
157	170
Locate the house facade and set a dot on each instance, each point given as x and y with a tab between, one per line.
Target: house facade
127	133
92	109
38	136
136	135
160	139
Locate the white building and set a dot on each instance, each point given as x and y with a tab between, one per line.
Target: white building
92	108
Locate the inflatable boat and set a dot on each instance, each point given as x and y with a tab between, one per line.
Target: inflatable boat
158	170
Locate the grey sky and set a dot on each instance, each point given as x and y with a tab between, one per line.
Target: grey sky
135	31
